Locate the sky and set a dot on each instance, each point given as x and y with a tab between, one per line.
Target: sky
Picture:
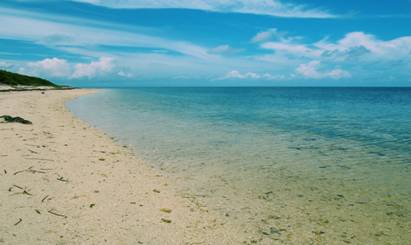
116	43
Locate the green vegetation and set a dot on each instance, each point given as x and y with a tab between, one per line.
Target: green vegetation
14	79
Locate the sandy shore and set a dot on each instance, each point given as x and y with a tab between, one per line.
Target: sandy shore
64	182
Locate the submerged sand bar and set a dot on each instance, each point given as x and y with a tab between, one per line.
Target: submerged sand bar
64	182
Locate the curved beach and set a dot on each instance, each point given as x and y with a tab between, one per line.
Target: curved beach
64	182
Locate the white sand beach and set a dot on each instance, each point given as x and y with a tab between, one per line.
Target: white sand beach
64	182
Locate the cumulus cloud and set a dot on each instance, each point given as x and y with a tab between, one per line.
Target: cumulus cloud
261	7
90	70
265	35
299	50
61	68
312	70
372	46
5	65
353	44
125	74
224	49
361	53
235	74
53	67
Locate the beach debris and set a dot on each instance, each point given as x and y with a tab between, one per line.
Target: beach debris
166	210
340	196
10	119
30	170
62	179
268	196
24	190
53	212
34	152
276	217
318	233
168	221
37	211
39	159
156	191
92	205
18	222
271	231
44	198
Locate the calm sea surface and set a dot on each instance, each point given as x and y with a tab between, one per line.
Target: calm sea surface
279	165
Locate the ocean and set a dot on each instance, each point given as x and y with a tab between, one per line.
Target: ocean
298	165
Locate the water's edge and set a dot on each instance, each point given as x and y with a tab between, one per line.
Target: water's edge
343	188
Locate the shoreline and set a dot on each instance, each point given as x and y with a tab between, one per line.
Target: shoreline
33	89
65	182
290	188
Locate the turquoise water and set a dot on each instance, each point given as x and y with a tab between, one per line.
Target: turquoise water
320	155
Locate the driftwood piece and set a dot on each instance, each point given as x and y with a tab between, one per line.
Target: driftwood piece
24	190
39	159
18	222
51	211
30	170
62	179
44	199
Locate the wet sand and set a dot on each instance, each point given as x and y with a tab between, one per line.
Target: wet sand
64	182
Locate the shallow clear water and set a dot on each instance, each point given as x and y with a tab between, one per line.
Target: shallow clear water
328	164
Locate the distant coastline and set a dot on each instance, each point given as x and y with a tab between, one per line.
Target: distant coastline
10	81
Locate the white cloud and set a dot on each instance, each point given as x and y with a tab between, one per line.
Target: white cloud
299	50
312	70
338	74
61	68
235	74
125	74
363	54
93	69
221	49
62	35
54	67
224	49
5	65
261	7
372	46
265	35
352	45
283	53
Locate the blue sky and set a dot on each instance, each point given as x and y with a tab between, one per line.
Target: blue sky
209	43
